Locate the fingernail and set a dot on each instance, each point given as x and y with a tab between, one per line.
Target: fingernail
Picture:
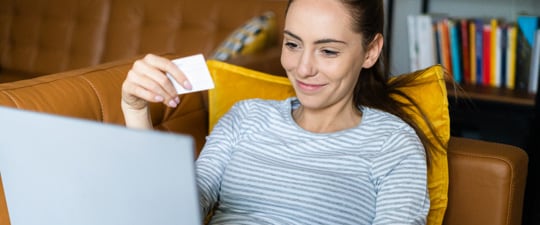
187	85
158	98
177	100
172	104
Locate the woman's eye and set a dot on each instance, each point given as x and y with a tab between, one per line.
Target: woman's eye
291	45
330	52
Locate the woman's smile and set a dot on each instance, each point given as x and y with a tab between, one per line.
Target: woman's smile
309	87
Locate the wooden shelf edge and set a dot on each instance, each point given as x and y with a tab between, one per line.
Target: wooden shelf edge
492	94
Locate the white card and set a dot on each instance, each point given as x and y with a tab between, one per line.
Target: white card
195	69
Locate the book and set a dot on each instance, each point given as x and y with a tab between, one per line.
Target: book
495	38
526	29
511	56
444	46
503	57
465	50
437	33
455	52
413	45
425	39
472	56
486	54
479	24
535	67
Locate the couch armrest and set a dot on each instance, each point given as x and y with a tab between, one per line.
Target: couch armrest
487	183
94	93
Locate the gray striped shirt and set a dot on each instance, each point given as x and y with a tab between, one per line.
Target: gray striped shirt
263	168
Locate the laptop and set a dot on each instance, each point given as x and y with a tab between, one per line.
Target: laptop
65	171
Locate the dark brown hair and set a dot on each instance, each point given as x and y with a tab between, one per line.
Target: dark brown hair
374	87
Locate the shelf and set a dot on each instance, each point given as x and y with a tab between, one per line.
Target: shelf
491	94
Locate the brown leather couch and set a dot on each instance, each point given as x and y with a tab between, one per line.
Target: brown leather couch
44	37
487	180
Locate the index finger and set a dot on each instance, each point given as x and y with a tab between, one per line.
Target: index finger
169	67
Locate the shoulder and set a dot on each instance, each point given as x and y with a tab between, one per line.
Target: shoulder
384	121
394	134
259	106
247	116
259	110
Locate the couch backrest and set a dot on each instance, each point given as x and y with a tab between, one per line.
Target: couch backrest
180	27
48	36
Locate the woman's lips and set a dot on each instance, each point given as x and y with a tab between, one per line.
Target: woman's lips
305	87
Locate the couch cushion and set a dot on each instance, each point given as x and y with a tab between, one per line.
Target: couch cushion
234	83
256	34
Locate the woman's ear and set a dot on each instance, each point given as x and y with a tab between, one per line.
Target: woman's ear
373	51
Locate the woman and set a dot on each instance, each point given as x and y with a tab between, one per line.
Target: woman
340	152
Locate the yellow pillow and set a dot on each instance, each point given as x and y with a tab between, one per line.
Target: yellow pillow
234	83
256	34
429	91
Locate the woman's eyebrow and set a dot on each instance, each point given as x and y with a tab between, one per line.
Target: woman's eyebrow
322	41
292	35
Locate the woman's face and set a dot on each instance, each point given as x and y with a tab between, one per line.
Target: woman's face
321	53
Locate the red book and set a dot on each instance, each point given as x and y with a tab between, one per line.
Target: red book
465	51
486	55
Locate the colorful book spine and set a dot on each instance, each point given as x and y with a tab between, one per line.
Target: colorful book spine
413	45
503	57
527	26
535	64
445	45
465	50
479	50
454	50
511	57
426	46
494	53
486	55
472	57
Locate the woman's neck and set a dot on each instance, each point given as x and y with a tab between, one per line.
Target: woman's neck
327	120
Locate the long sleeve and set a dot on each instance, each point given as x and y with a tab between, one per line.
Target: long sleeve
215	156
400	178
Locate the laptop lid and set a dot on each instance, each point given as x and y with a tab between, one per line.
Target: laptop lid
65	171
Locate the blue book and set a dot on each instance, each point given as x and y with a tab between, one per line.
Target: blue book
526	26
479	49
455	50
504	56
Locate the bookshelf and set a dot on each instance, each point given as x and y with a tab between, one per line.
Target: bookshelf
478	110
507	10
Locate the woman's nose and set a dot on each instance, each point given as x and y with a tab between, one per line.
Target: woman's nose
306	65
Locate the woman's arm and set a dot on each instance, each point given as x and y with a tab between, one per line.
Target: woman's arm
216	154
400	174
136	118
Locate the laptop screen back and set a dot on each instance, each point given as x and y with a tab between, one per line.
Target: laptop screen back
63	171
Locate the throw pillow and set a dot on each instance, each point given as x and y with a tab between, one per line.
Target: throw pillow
234	83
255	35
435	104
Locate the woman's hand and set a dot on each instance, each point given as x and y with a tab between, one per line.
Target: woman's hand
146	82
